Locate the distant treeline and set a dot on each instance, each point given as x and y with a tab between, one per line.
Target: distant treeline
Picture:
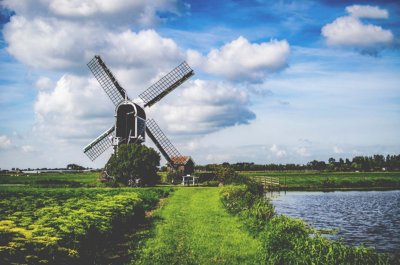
358	163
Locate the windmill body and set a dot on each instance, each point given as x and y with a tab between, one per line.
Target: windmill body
131	124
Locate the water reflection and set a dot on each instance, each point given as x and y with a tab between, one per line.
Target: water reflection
371	218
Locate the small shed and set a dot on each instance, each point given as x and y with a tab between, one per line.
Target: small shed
189	180
183	164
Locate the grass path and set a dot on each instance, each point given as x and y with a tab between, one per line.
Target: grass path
193	228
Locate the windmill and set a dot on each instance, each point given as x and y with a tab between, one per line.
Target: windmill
131	125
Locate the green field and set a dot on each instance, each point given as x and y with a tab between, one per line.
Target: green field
85	179
313	180
291	180
193	228
74	219
69	225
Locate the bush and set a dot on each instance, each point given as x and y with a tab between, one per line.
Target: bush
211	183
287	241
206	176
253	209
134	162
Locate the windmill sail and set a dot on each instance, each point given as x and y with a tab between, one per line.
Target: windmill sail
166	84
100	144
107	80
170	153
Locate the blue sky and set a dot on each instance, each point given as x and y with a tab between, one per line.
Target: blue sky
276	81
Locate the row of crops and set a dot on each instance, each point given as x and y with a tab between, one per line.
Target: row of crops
67	226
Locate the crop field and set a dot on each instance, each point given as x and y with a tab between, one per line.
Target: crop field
309	180
68	225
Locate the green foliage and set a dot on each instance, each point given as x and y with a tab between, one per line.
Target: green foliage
254	210
133	161
287	241
210	183
225	173
66	226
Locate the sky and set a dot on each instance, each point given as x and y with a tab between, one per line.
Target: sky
275	81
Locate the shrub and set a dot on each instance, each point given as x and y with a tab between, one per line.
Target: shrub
253	209
133	161
211	183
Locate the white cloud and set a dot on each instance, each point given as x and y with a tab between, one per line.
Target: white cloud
204	107
5	142
350	31
44	83
27	148
137	12
241	59
337	150
367	11
49	43
75	108
302	151
278	152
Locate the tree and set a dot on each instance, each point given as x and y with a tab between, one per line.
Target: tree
75	167
224	173
133	163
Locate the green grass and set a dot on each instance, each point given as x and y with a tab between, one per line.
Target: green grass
193	228
309	180
85	179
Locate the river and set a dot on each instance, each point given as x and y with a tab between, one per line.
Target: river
371	218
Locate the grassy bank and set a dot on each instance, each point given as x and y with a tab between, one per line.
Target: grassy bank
193	228
287	240
313	180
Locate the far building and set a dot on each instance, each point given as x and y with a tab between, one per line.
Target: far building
183	164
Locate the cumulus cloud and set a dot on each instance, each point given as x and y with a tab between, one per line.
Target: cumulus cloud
367	11
5	142
44	83
241	59
205	107
302	151
337	150
137	12
350	31
27	148
278	152
73	109
50	43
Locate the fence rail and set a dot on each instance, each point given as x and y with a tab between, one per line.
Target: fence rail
269	183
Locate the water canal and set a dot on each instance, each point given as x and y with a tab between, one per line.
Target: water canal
371	218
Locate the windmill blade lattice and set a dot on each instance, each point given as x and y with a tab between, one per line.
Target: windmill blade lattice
166	84
100	144
163	144
107	80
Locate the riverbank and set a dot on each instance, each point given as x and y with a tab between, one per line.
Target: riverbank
330	181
